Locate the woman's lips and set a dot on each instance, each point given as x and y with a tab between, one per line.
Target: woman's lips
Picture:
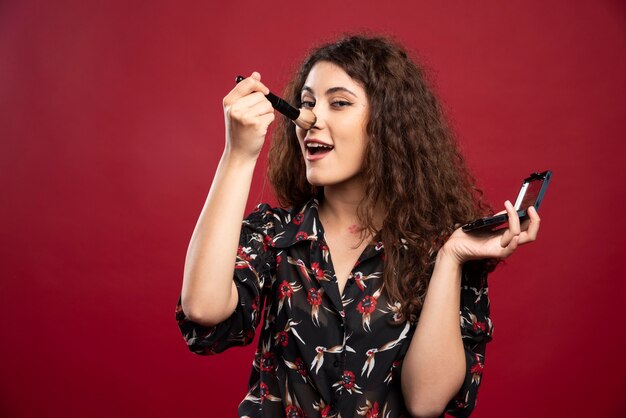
315	149
321	153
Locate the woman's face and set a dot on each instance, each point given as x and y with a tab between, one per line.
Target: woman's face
334	148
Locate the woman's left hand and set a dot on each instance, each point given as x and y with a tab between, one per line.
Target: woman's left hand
493	244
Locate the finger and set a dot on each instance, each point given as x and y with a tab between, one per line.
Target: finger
261	124
255	81
533	226
246	109
510	249
524	225
514	225
262	108
252	116
253	101
267	119
532	214
245	87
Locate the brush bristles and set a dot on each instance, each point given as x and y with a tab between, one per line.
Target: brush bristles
306	119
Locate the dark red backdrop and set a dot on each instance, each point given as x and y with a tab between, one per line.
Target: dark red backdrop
111	128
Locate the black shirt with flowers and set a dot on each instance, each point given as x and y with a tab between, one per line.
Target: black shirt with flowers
322	353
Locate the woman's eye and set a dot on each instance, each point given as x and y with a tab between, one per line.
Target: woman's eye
307	104
340	103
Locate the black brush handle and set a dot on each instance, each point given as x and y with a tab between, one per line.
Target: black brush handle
279	104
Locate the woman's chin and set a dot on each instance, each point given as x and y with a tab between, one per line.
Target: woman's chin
315	181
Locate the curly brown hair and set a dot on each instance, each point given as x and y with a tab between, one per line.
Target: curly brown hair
412	163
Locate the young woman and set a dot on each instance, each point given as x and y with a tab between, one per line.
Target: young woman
372	302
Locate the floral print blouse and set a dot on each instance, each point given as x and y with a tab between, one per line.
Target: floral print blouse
322	353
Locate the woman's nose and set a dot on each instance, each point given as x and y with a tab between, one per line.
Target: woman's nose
319	118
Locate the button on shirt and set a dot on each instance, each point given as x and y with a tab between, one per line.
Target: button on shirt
322	353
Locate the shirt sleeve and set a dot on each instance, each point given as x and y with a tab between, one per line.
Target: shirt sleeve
254	266
476	331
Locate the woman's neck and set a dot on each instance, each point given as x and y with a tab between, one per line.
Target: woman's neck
338	208
339	211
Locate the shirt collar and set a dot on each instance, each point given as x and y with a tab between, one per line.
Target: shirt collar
304	225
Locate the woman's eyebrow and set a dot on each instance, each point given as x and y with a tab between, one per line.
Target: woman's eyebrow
330	90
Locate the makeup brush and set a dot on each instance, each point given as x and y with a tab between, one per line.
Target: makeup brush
304	118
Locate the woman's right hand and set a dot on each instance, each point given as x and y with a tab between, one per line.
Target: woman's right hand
247	116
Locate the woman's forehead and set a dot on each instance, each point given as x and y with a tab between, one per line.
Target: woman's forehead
328	77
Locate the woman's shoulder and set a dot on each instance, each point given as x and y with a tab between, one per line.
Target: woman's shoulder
308	208
269	213
277	219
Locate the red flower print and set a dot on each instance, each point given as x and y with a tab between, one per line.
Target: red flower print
477	369
264	390
369	410
283	338
278	259
367	305
242	254
324	249
325	412
313	297
285	289
358	279
298	218
300	236
392	369
319	273
479	325
347	379
373	413
347	382
293	411
268	362
302	370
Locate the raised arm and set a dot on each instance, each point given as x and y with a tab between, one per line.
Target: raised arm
209	295
435	366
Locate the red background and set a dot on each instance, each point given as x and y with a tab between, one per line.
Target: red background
111	128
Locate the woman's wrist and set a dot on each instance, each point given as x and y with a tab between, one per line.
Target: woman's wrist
237	158
448	256
446	266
